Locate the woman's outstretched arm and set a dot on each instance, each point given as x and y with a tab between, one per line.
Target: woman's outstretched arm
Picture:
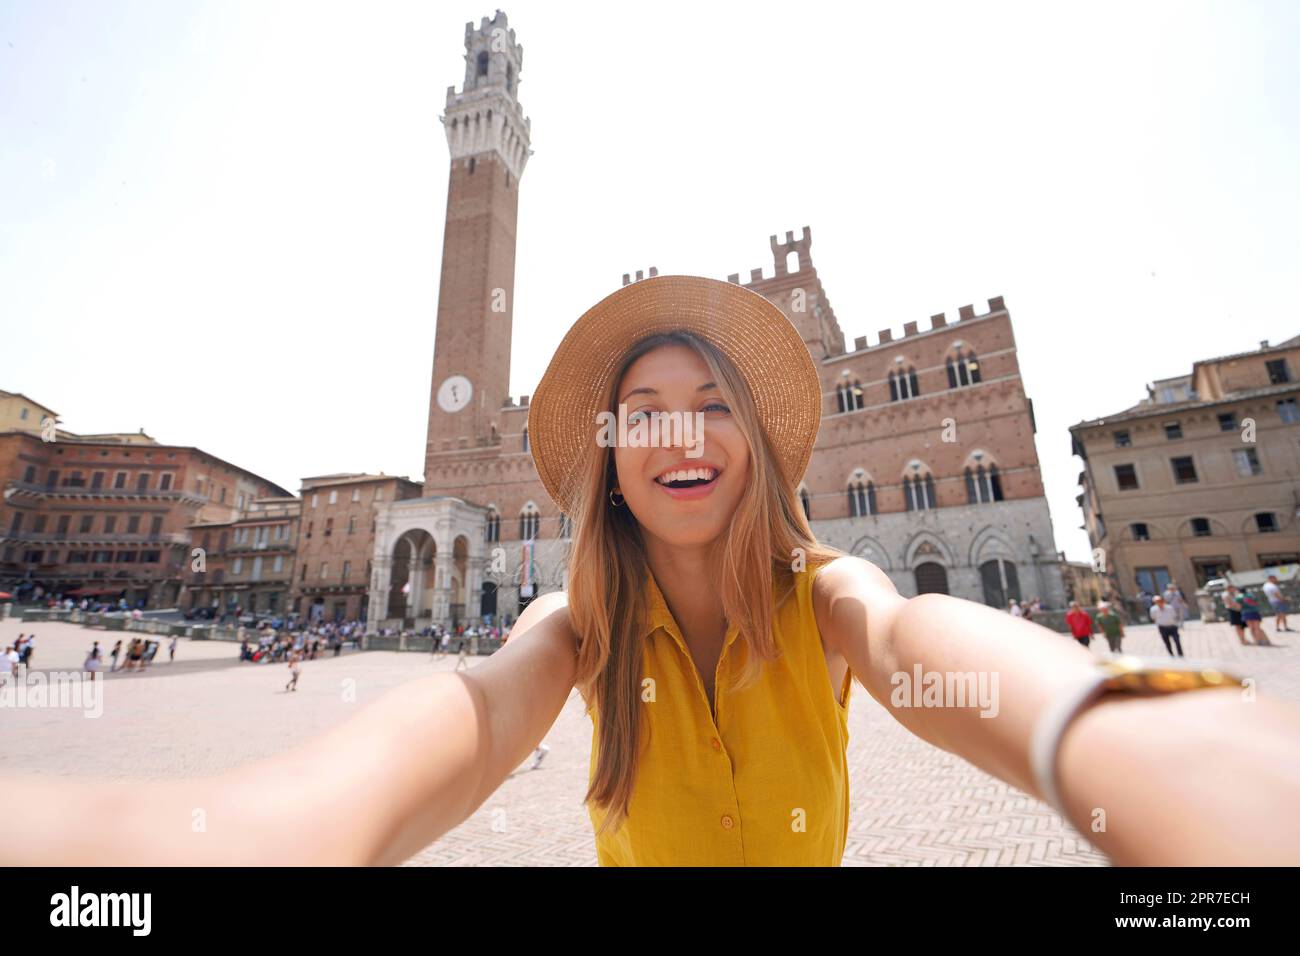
373	790
1201	777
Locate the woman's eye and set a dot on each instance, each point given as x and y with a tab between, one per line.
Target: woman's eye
638	416
716	406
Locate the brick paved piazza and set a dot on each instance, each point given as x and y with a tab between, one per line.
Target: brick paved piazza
911	803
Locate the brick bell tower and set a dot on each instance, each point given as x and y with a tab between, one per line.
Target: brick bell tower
488	136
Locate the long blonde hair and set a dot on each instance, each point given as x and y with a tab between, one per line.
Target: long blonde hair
608	571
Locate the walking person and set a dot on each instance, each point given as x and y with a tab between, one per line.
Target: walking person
1080	623
295	667
1174	598
539	755
94	661
1273	591
171	649
9	664
1252	618
1165	616
135	655
462	652
1013	608
115	654
1232	604
25	655
1111	625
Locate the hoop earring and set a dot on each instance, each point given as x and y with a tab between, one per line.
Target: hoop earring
621	499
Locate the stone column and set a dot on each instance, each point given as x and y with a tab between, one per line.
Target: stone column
474	589
415	578
380	580
442	596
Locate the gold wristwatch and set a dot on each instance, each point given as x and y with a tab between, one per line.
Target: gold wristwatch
1114	675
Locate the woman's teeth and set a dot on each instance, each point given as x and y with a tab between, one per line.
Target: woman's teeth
687	474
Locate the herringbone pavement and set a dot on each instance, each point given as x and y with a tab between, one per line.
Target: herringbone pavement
911	804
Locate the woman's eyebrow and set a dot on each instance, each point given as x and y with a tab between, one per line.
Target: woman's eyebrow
647	390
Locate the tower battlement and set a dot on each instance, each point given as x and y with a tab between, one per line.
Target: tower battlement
493	36
801	247
628	280
485	116
939	320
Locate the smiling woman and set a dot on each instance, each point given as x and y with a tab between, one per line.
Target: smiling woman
714	642
685	669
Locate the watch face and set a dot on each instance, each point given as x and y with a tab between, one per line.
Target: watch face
454	393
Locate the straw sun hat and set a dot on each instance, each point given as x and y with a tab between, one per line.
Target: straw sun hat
752	332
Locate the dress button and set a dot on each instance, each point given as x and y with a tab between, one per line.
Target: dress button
727	822
716	744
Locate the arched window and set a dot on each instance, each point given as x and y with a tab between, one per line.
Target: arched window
492	528
903	384
529	519
983	485
483	63
525	438
963	369
848	396
510	77
918	491
862	499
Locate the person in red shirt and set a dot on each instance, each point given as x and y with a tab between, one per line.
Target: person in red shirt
1081	625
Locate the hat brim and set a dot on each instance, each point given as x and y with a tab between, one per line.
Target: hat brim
752	332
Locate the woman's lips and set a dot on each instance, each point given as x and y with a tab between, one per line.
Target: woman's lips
692	493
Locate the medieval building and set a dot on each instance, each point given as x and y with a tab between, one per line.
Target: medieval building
925	463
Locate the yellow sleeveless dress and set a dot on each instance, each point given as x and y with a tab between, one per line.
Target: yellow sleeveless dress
764	781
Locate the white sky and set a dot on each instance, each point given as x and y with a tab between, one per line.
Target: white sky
223	222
